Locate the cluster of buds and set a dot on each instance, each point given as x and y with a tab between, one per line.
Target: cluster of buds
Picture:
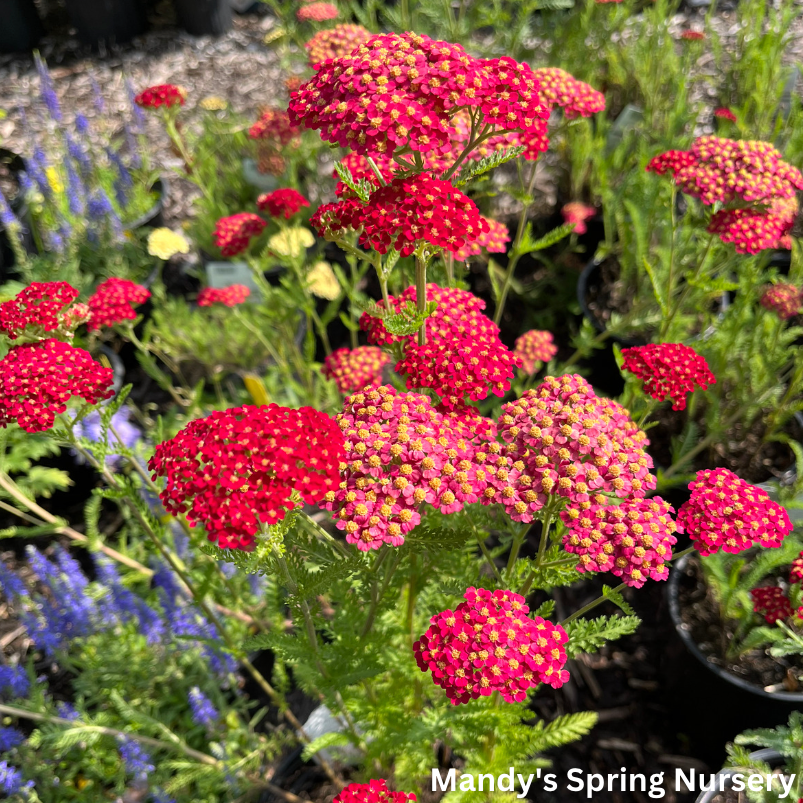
488	644
230	296
113	302
668	370
353	369
727	513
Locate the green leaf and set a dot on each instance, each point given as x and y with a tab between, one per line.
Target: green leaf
487	163
589	635
656	291
562	730
358	188
333	739
546	609
614	596
528	244
409	320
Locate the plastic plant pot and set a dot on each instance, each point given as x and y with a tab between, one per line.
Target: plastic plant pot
106	20
21	28
204	17
154	217
772	757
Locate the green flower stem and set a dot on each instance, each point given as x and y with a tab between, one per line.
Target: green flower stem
600	338
591	605
518	539
652	404
487	554
549	511
377	597
175	744
421	293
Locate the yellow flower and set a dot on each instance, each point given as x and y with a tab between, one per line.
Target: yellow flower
213	103
54	179
165	243
322	281
291	242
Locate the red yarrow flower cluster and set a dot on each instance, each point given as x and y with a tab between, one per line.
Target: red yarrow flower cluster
570	442
785	300
692	36
772	603
535	347
727	513
354	369
578	213
463	357
231	296
238	469
755	229
333	43
576	98
281	202
796	570
633	540
114	300
722	170
38	379
38	307
274	125
488	644
317	12
233	234
404	213
725	114
398	90
494	241
375	791
668	370
167	95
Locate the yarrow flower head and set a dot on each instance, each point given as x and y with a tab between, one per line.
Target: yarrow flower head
571	443
167	95
284	202
38	379
535	347
632	540
692	36
404	213
114	300
772	603
317	12
668	370
354	369
398	90
463	356
400	453
494	241
578	213
488	644
725	114
233	234
796	570
333	43
725	512
291	242
576	98
716	169
231	296
238	469
375	791
274	125
38	307
755	229
165	243
785	300
322	282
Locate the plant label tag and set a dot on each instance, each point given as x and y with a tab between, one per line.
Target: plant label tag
225	274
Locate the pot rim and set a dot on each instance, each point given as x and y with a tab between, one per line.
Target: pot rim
673	588
163	187
765	754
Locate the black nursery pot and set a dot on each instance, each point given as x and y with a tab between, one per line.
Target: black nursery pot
712	704
154	217
771	757
15	164
21	27
106	20
204	17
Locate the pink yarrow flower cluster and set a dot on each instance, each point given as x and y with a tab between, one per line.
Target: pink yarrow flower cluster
578	213
668	370
576	98
727	513
404	213
354	369
375	791
535	347
725	114
230	296
38	307
796	570
772	603
463	357
571	443
494	241
755	229
285	202
333	43
785	300
241	468
113	302
632	540
233	234
398	90
317	12
488	644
